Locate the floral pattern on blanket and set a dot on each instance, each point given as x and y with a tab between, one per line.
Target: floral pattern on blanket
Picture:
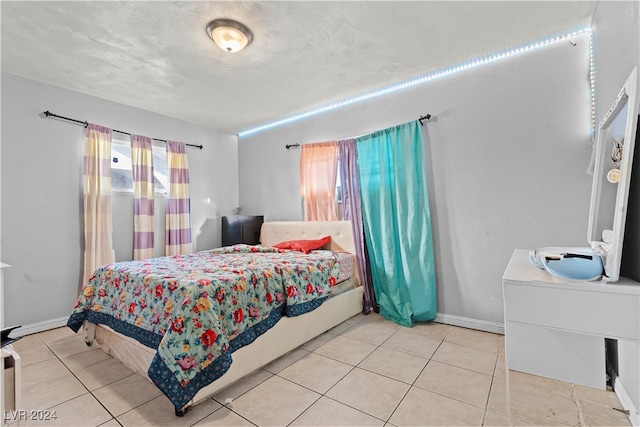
196	308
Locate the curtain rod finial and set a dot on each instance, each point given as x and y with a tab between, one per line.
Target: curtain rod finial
425	117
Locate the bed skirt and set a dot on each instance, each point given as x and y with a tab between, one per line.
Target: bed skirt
286	335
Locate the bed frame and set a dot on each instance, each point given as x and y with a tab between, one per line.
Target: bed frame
286	335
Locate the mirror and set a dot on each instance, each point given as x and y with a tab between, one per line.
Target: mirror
612	176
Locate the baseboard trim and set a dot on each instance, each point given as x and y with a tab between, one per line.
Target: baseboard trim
626	402
466	322
449	319
34	328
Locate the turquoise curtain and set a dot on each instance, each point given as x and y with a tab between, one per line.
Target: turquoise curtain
397	223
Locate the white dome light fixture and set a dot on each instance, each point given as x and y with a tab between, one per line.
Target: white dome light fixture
231	36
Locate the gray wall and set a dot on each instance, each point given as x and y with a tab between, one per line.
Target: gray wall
41	191
617	51
506	155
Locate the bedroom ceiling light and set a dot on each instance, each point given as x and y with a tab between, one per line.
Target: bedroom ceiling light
231	36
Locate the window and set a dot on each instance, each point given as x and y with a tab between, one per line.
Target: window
121	179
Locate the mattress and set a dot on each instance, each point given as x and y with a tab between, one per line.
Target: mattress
347	263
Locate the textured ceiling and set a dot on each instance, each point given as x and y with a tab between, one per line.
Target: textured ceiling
156	55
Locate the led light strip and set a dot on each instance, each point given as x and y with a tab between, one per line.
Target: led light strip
433	75
592	82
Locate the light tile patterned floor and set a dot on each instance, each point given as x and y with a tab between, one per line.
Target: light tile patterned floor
365	372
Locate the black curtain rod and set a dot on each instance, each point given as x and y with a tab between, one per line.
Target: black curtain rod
425	117
50	114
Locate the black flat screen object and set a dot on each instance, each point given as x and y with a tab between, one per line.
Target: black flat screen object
241	229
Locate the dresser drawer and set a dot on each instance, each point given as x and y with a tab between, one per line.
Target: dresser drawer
608	314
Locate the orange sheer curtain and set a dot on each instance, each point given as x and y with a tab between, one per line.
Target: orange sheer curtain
318	170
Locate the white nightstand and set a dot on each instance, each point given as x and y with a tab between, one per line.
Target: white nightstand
556	328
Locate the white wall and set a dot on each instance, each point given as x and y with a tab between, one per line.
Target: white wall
41	191
617	51
506	154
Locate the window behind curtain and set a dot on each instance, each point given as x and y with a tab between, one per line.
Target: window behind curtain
123	197
121	167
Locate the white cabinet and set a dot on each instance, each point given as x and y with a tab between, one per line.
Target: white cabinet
2	267
556	328
11	368
10	391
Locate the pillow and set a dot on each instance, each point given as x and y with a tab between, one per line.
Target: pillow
305	246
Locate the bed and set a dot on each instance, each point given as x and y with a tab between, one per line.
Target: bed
198	345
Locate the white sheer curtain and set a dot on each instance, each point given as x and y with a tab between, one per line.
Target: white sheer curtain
98	225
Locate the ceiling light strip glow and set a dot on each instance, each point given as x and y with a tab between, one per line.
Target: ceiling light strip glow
433	75
592	82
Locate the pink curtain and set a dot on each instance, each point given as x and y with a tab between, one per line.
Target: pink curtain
178	224
143	196
98	226
318	171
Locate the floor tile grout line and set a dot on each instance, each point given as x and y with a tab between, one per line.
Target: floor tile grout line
440	394
205	416
342	361
329	397
486	405
353	367
306	409
87	388
76	377
230	410
414	381
244	392
461	367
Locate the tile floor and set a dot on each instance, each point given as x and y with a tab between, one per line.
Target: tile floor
366	371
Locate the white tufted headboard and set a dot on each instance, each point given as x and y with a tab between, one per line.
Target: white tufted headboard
341	234
281	231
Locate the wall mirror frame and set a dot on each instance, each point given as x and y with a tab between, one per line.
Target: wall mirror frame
612	177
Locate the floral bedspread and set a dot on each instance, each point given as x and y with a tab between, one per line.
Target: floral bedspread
197	309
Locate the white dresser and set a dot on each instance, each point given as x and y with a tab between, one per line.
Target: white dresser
556	328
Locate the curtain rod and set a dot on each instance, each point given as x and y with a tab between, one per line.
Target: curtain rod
50	114
425	117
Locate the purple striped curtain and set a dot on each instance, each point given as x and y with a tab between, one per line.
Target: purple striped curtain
98	224
178	225
353	212
143	196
